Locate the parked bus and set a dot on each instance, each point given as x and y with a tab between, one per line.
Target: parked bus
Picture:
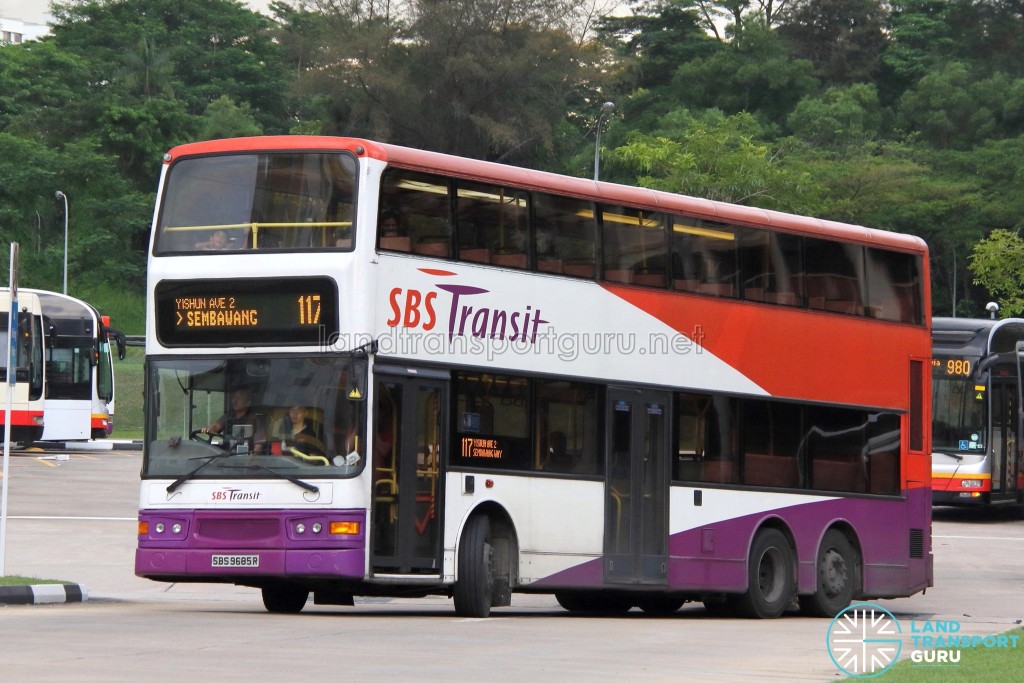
79	391
976	420
27	355
518	382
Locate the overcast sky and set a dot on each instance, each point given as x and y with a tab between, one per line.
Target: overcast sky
35	11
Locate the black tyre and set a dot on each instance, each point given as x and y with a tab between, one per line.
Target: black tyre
474	591
659	604
769	577
284	598
596	603
838	577
718	607
575	602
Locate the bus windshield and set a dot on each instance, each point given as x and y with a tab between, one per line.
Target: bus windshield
29	351
284	201
295	415
958	415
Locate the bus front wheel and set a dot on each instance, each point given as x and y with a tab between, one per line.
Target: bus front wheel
838	569
769	577
474	590
284	598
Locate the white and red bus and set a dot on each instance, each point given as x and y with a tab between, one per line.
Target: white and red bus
977	458
79	395
518	382
27	354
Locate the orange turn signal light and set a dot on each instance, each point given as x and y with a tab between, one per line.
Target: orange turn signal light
345	528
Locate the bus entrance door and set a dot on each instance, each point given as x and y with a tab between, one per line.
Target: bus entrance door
407	482
1005	446
636	489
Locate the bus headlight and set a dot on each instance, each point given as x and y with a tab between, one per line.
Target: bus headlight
971	483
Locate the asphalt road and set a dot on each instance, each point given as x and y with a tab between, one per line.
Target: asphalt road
74	520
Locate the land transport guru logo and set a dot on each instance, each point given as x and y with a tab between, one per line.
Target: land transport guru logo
865	640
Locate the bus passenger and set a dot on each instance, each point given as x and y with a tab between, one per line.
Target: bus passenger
218	240
298	430
389	225
343	238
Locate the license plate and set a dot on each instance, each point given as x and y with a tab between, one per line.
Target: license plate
235	561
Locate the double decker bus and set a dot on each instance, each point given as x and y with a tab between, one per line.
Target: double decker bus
977	458
79	394
520	382
26	353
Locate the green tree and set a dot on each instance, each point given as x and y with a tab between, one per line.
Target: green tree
844	39
45	92
148	69
216	47
754	74
713	156
839	118
482	79
997	263
225	119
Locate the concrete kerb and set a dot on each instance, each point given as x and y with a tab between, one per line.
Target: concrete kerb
99	445
43	594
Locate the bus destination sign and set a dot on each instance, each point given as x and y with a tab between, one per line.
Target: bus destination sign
246	312
951	367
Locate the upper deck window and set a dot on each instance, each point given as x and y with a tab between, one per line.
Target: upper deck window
449	217
282	201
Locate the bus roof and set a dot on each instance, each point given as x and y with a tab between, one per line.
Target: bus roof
976	336
474	169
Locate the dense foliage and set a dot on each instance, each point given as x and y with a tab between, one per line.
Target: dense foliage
905	115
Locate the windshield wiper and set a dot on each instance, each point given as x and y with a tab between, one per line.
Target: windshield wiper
185	477
281	475
958	457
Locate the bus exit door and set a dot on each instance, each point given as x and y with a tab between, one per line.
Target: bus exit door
636	489
409	413
1005	445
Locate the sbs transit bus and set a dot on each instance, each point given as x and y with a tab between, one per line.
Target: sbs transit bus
27	354
520	382
79	395
976	419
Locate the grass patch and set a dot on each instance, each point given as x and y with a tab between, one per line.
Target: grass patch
27	581
128	376
126	307
991	665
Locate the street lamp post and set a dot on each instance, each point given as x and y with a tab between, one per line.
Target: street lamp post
61	195
606	109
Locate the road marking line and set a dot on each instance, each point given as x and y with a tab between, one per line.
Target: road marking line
984	538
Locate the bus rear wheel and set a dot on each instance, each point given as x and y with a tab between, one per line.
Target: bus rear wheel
838	571
474	591
769	577
594	602
284	598
658	604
